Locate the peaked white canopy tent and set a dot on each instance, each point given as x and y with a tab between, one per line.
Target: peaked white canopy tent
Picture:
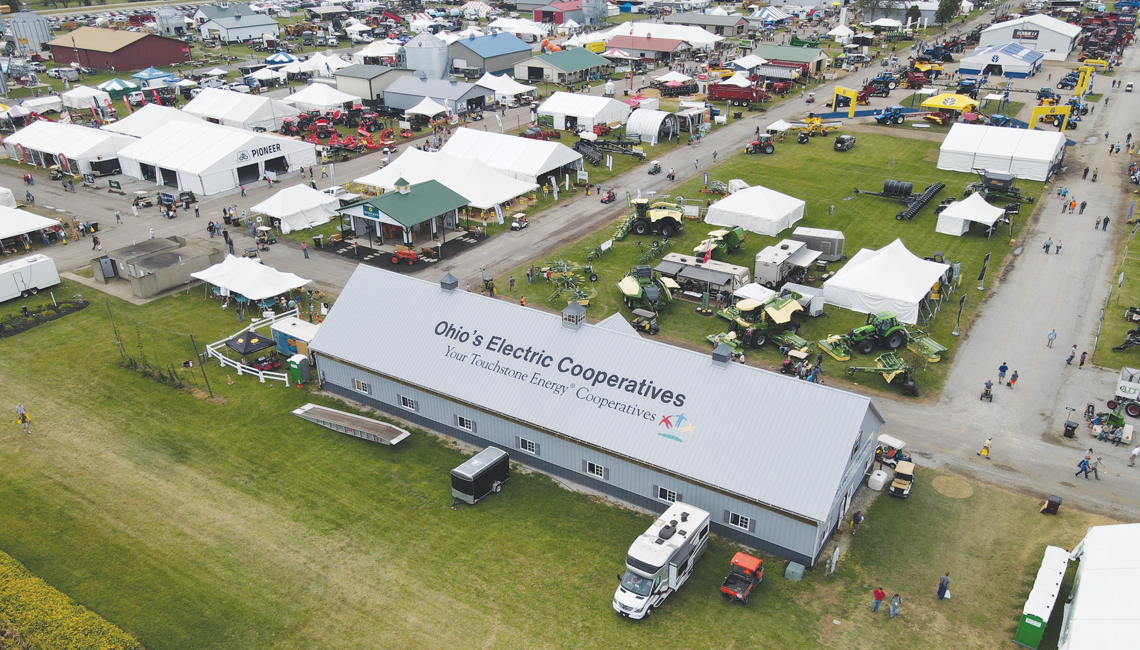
570	110
298	207
955	219
757	209
377	50
504	87
738	79
7	198
428	107
673	76
471	178
239	110
269	74
842	34
14	223
84	98
889	279
250	278
320	97
1025	153
521	158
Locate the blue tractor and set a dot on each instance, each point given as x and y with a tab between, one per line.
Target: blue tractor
891	115
1000	120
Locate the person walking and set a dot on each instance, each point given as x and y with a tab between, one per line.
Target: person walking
944	586
1002	369
1095	172
1057	248
1083	176
1132	457
1072	355
1106	136
1052	336
714	155
1012	380
1049	242
22	418
1072	206
242	187
856	521
95	245
1096	224
134	209
305	249
696	163
324	171
1084	355
1104	225
1084	204
895	605
1083	466
985	452
196	212
1092	467
118	217
877	599
151	234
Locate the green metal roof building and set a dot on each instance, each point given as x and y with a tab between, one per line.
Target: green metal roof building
413	213
567	66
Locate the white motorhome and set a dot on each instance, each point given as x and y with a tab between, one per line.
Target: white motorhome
26	276
661	559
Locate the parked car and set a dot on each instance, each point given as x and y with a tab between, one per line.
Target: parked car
844	143
135	99
1128	87
238	88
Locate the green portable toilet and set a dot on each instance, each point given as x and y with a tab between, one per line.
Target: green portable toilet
298	369
1039	605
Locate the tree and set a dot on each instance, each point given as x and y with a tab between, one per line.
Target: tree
913	14
872	9
947	9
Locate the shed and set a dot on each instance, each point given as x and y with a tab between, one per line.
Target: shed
113	49
1008	60
567	66
367	81
458	96
719	25
76	149
637	419
560	13
573	111
155	266
1054	39
235	29
493	53
815	59
522	158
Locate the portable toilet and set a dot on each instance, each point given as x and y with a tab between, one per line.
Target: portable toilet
299	369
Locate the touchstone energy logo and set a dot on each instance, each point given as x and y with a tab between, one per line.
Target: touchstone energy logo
675	426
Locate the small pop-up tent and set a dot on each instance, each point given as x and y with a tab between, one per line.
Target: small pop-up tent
757	209
505	88
955	219
7	198
84	98
298	207
428	108
889	279
673	76
250	278
320	97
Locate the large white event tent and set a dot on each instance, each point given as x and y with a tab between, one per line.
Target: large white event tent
377	50
7	198
575	110
1103	607
84	98
757	209
298	207
504	87
320	97
148	118
955	219
73	147
1026	153
889	279
250	278
521	158
14	223
208	158
698	37
239	110
470	178
428	107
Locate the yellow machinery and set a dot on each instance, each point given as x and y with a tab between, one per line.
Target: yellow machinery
1058	115
840	91
816	126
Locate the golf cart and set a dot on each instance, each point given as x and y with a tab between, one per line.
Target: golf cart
142	200
890	451
904	479
265	235
519	222
645	321
655	167
609	196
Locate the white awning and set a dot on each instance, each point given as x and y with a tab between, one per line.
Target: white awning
250	278
15	222
299	207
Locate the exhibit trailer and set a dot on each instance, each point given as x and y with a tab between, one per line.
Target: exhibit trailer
26	276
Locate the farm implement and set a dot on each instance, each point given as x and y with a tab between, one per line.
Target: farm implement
903	191
890	367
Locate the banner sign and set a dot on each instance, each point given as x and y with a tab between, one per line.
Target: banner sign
1026	34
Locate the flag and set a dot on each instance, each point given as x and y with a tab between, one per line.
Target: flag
708	254
985	265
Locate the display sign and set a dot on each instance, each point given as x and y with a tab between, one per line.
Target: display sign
745	44
371	211
596	48
115	185
1026	34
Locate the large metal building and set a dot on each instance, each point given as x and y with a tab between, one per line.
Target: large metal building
777	460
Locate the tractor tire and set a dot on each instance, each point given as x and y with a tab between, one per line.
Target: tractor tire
410	262
593	277
640	227
891	85
769	149
899	119
866	346
395	260
1133	409
1111	404
759	338
895	341
794	328
811	134
666	232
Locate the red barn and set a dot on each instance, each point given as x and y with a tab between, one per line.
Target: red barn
109	49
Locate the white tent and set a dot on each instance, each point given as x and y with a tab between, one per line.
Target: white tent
325	66
43	104
299	207
955	219
217	72
471	178
71	146
208	158
778	125
250	278
1102	610
7	198
1027	154
651	125
884	22
239	110
573	109
376	50
738	79
320	97
14	223
889	279
673	76
842	34
83	97
754	291
268	74
520	158
148	118
427	107
757	209
503	86
771	14
748	62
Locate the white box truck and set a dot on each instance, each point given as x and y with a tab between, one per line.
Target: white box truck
26	276
661	559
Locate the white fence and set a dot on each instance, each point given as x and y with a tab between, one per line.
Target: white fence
215	349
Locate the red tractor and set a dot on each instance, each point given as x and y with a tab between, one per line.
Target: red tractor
403	253
747	574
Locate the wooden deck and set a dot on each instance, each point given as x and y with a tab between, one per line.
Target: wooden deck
353	425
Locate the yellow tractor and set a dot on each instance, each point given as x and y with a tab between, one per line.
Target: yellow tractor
816	126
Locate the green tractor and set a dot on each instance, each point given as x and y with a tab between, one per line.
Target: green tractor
721	242
760	321
661	218
643	289
882	330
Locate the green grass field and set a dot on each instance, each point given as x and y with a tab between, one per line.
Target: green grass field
1115	329
812	172
229	523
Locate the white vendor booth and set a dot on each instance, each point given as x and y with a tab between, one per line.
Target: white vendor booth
298	207
320	97
239	110
470	178
250	278
76	149
521	158
889	279
573	111
757	209
1029	154
956	218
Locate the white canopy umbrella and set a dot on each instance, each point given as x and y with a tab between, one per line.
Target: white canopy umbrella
426	107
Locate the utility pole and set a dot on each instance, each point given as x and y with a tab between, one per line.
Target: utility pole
202	365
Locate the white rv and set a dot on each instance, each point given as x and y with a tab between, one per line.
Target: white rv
661	559
26	276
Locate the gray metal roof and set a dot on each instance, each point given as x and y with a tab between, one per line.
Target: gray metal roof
705	19
750	432
362	71
434	88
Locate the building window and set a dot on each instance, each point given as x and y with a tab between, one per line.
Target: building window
409	403
362	387
739	521
596	470
528	446
666	494
464	423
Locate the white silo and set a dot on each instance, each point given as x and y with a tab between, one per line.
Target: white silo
426	53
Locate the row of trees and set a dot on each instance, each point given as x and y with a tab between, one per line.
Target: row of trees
947	9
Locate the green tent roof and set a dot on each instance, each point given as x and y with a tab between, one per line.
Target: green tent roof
573	60
422	202
787	53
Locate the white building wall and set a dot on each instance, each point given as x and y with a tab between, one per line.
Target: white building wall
1053	45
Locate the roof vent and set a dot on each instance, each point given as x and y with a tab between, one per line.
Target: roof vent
573	315
684	516
722	355
667	531
452	79
402	186
783	247
449	283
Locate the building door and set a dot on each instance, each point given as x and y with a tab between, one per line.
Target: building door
277	165
148	172
533	73
169	177
248	174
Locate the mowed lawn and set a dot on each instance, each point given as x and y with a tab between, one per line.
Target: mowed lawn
230	523
825	179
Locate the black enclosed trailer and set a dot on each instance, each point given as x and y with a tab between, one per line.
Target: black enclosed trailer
481	475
